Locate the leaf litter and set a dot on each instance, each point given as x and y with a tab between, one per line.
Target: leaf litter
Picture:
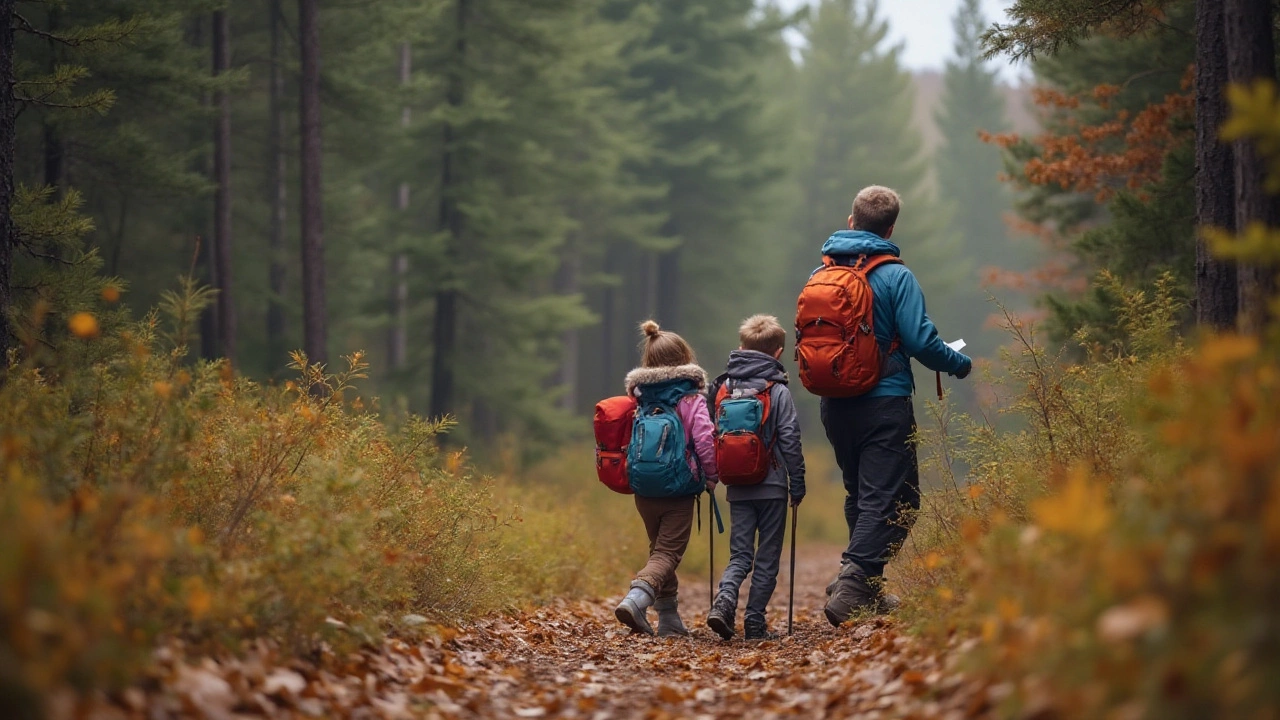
571	659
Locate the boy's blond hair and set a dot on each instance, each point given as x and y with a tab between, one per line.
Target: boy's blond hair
875	209
762	333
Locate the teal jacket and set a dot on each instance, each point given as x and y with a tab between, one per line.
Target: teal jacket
899	311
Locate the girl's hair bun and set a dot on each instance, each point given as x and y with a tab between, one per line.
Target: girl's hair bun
650	329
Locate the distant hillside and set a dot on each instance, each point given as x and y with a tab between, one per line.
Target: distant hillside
929	95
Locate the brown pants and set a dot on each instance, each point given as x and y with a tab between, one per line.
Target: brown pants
668	522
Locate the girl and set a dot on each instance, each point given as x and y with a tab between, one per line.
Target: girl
668	377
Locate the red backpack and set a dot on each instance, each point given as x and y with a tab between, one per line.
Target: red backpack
613	420
743	454
836	345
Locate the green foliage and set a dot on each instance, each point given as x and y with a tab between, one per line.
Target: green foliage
1137	233
1045	27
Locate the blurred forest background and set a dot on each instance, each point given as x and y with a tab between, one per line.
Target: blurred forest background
488	197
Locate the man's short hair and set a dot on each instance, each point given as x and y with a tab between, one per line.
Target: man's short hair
762	333
875	209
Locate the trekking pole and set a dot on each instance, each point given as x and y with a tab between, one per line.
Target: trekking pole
791	600
715	523
711	563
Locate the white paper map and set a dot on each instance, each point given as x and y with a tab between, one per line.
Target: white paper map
958	345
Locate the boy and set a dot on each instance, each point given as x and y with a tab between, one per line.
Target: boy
759	511
871	433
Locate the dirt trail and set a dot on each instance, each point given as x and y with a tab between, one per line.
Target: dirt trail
574	660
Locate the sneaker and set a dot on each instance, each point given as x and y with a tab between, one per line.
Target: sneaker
757	629
721	617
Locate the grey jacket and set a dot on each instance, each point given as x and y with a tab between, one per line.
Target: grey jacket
752	370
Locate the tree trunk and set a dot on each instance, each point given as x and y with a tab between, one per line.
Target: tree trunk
1216	295
668	301
277	191
202	265
608	322
314	322
8	117
567	284
222	194
398	331
446	327
1250	57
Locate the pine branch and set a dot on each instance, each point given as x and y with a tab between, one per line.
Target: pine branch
112	32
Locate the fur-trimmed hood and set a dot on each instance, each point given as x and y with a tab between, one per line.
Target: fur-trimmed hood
653	375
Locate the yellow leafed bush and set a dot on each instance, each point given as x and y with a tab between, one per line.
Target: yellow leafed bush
1118	553
142	494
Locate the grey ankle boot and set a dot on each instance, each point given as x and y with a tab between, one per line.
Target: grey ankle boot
631	611
669	622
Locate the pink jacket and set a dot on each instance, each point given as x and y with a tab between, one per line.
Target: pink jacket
700	434
694	415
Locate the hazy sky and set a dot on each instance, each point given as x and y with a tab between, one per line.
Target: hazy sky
925	27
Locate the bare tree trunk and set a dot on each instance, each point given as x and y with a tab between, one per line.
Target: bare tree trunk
567	284
445	335
668	302
222	194
203	267
1216	293
277	191
8	117
608	321
1250	57
314	321
398	332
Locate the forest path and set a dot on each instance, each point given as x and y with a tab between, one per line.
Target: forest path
572	659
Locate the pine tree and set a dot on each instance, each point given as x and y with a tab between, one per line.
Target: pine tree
698	73
968	169
1138	233
855	129
315	321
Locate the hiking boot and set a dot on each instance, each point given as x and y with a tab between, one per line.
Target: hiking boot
757	629
850	593
721	617
633	608
669	622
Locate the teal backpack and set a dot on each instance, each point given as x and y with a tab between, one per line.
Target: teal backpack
657	458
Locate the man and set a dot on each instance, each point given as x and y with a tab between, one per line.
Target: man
871	432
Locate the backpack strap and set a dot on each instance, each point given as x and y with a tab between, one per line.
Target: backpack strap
864	264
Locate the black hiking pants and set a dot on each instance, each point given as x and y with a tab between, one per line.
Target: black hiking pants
871	437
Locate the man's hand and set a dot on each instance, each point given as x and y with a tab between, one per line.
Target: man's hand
711	485
795	500
964	371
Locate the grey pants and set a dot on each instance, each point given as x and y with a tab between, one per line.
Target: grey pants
766	519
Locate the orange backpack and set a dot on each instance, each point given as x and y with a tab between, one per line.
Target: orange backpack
836	345
612	423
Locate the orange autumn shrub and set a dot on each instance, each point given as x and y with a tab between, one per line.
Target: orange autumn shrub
143	494
1128	566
